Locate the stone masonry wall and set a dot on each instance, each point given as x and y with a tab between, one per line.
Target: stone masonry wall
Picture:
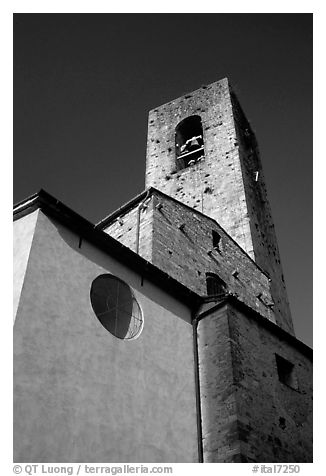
213	186
224	185
217	392
248	413
262	227
124	229
274	420
187	253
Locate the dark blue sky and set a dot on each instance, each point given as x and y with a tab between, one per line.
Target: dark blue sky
84	83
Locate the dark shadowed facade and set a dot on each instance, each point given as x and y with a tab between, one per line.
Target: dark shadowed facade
163	333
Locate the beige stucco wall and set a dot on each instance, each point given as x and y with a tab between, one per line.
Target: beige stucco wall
80	394
23	236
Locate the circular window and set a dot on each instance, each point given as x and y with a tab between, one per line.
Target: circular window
116	307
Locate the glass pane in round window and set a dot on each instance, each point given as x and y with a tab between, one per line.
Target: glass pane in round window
116	307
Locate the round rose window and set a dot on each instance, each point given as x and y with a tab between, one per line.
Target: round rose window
116	307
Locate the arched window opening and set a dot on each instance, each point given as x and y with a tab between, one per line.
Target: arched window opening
215	285
116	307
189	143
216	240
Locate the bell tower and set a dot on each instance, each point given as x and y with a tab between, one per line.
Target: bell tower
202	151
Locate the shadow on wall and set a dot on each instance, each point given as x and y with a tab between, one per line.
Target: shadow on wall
110	264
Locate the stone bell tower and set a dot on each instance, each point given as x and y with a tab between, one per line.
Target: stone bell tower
202	151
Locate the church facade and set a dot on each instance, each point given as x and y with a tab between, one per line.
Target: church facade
162	333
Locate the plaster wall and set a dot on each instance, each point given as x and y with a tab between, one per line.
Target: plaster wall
80	394
23	235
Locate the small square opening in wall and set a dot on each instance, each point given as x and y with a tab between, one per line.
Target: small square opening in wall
286	372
